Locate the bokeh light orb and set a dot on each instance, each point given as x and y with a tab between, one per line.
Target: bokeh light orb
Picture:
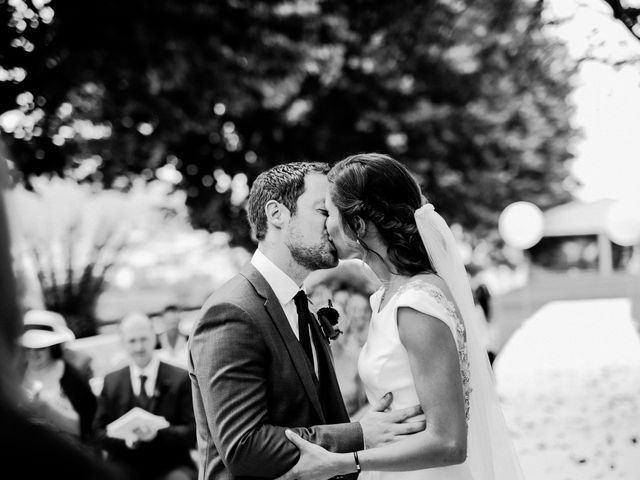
521	225
622	223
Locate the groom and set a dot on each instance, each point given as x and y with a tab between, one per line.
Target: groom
257	358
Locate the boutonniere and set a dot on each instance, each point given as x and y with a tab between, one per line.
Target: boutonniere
160	390
328	317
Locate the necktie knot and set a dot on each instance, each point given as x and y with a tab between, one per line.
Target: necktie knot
301	301
302	308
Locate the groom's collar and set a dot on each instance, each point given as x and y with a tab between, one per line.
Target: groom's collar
282	284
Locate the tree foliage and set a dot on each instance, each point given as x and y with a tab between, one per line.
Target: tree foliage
69	237
471	96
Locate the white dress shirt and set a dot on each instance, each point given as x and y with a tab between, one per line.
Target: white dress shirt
285	289
151	372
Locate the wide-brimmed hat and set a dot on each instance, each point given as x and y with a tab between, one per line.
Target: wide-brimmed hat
43	328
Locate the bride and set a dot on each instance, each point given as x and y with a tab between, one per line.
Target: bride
422	344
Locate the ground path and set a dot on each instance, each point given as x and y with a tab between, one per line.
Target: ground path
569	379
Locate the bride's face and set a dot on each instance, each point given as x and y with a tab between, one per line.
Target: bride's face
346	246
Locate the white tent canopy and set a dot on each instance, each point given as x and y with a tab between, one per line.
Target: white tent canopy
577	218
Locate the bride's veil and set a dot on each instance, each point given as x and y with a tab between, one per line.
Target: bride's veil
491	454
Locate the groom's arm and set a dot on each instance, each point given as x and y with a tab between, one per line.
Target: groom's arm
229	361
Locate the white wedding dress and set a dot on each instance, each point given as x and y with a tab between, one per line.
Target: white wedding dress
383	364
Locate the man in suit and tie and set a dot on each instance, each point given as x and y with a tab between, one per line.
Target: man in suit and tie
258	360
159	388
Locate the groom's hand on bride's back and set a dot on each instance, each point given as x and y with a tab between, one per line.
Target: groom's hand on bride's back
381	425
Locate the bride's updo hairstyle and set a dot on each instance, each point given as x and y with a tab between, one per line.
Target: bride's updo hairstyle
379	189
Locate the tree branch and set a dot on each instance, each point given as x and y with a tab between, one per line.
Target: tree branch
629	16
607	61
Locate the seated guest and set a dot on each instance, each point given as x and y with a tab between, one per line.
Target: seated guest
172	343
482	299
81	361
340	299
155	386
346	350
358	312
55	390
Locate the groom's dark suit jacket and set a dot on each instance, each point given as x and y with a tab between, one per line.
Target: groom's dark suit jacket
251	379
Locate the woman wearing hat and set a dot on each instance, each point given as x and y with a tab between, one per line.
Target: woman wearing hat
56	391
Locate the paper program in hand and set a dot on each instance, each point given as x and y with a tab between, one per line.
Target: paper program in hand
134	419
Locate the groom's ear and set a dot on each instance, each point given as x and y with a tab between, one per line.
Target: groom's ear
277	214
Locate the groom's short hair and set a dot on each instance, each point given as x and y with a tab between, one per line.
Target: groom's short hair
283	183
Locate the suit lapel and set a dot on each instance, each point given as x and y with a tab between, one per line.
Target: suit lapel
321	343
158	389
128	399
295	350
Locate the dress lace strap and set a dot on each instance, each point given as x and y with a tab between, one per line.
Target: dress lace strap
429	299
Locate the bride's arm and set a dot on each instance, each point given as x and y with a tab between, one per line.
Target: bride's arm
435	367
433	357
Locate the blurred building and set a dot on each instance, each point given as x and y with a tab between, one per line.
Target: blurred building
577	235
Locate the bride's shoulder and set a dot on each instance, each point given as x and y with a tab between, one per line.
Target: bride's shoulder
428	294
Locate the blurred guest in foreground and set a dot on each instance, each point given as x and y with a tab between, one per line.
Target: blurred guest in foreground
159	388
30	449
56	392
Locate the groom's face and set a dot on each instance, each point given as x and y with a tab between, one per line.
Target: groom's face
306	233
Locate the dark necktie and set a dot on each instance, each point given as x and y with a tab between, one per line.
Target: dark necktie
143	398
304	317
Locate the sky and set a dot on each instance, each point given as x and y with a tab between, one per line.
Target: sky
607	100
